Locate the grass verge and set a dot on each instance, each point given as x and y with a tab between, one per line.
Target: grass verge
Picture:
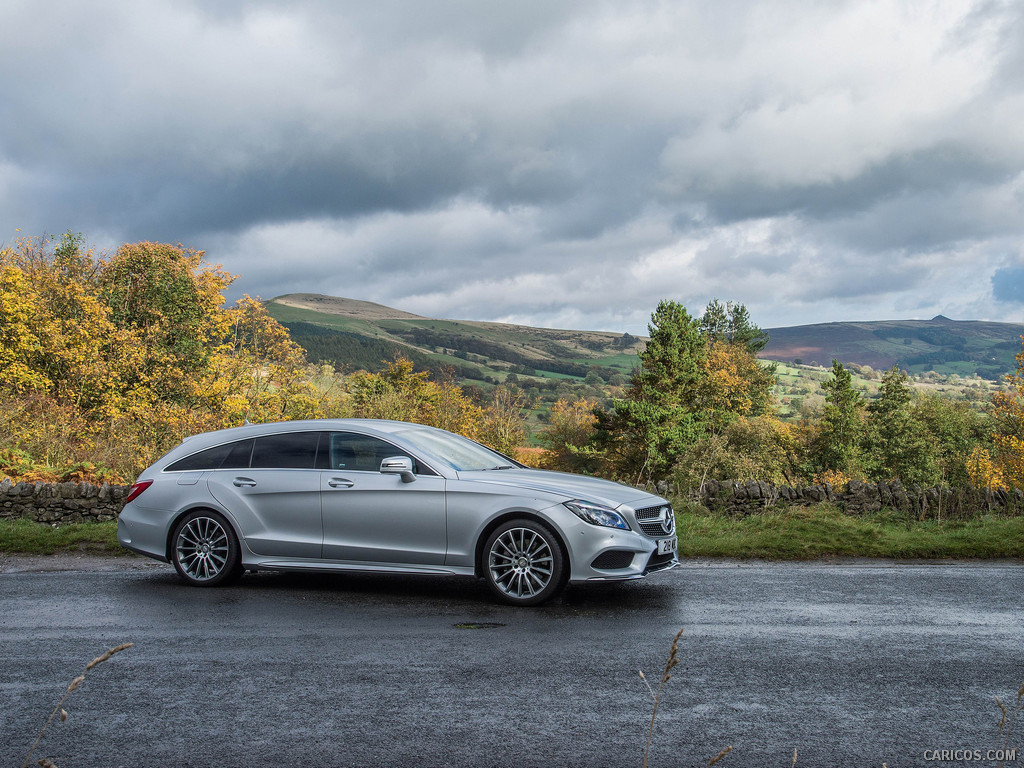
786	534
25	537
823	531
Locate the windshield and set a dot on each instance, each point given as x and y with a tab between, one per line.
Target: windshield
459	453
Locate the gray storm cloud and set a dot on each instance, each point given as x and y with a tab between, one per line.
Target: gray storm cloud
555	163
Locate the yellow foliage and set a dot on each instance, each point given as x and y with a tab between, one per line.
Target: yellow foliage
18	344
399	393
106	362
571	426
835	478
733	384
981	470
1008	413
532	457
504	425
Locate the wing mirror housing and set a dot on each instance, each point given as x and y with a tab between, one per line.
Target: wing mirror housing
398	465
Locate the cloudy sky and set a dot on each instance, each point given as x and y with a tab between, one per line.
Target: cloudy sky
549	162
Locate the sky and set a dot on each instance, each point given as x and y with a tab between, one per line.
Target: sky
546	162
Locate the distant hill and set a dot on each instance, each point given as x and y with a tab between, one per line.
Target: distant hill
964	347
359	334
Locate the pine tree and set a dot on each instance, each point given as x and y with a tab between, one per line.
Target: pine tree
896	445
838	445
649	429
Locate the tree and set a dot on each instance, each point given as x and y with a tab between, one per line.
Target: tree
649	429
734	384
1008	414
569	436
116	358
504	423
758	448
837	447
67	344
955	431
896	445
399	392
20	346
170	296
731	322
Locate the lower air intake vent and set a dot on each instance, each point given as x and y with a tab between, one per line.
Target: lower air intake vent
657	562
613	559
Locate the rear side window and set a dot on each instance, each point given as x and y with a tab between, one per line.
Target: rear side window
227	456
294	450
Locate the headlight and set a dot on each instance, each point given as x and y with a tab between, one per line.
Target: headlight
596	514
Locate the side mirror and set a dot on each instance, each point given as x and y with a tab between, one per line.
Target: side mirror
398	465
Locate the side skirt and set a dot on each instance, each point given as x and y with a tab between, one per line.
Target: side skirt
337	566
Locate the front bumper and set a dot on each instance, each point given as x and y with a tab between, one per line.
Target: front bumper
610	554
666	565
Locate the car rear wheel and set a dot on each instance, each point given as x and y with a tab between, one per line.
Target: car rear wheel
523	563
205	550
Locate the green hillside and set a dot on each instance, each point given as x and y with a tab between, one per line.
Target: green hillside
357	334
945	357
353	334
964	348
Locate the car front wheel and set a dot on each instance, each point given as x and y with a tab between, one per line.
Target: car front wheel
523	563
205	550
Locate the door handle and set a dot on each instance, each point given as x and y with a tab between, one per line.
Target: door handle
340	482
238	482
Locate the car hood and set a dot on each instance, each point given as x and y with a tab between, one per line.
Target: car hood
559	484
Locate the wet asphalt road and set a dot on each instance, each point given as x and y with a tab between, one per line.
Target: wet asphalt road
851	664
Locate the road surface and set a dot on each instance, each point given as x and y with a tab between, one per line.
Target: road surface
851	664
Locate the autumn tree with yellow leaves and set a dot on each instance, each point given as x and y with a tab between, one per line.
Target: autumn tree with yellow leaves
1004	464
106	361
399	392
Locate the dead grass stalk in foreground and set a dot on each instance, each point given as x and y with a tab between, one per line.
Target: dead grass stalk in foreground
1006	724
59	708
665	677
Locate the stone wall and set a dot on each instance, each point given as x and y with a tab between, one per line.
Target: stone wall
858	498
60	503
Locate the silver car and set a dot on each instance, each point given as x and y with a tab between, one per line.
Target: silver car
388	496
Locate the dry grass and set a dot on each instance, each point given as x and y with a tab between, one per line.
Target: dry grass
666	675
1008	721
59	709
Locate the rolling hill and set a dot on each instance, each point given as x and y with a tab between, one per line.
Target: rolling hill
357	334
965	347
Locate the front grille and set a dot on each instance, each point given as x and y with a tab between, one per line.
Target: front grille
648	520
613	559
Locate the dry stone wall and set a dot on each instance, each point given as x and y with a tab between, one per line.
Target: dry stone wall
60	503
858	498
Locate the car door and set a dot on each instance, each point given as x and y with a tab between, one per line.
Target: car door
276	498
370	517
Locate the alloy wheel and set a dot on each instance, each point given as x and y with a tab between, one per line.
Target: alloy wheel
520	563
202	548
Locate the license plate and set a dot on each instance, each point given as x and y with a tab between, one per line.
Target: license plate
666	545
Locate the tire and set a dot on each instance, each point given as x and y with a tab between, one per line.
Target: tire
523	563
205	551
